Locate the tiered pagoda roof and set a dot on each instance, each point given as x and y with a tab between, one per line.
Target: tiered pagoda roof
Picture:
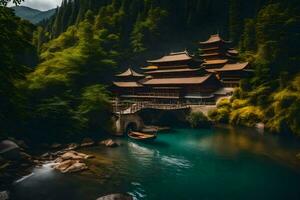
230	67
215	39
216	52
173	57
130	73
178	81
132	84
215	62
173	70
129	79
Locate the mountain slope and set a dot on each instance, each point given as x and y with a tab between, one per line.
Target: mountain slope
33	15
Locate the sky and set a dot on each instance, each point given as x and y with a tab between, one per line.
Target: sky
40	4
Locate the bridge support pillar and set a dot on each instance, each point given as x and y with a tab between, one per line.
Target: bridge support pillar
124	122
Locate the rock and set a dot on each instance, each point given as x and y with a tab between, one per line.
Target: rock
26	156
72	146
56	146
4	195
71	161
87	142
116	197
45	156
73	155
62	166
69	166
37	162
76	167
109	143
9	150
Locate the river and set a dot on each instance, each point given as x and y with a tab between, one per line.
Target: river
219	163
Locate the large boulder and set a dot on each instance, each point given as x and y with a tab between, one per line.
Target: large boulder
116	197
9	150
76	167
69	166
63	165
71	161
109	143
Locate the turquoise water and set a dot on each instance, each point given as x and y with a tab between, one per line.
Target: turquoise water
180	164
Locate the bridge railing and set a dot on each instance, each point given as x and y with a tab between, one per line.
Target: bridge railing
133	107
143	105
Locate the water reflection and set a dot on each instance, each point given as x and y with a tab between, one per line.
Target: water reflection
235	141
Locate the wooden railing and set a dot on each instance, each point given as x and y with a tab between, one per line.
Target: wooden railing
135	107
126	108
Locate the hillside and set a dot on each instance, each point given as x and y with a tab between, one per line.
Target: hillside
88	41
129	32
33	15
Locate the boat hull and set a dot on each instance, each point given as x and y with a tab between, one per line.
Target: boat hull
141	136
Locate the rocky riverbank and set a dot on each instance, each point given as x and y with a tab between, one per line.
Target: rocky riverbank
16	162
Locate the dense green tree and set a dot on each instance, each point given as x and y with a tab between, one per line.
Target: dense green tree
17	57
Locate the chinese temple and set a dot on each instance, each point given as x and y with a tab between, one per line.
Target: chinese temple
180	78
170	79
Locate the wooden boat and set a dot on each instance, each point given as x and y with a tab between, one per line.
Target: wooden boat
141	136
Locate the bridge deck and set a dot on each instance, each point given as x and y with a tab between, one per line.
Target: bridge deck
133	108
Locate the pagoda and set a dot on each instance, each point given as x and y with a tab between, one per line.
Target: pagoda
221	59
173	78
127	83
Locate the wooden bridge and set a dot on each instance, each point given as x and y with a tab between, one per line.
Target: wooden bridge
133	107
127	115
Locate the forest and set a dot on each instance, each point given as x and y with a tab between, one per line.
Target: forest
55	76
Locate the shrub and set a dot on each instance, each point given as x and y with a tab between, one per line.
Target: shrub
285	116
224	102
198	120
238	103
219	115
246	116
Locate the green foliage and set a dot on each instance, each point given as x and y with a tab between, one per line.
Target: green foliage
76	61
284	110
246	116
53	119
271	42
17	56
247	41
147	30
222	113
94	108
198	120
